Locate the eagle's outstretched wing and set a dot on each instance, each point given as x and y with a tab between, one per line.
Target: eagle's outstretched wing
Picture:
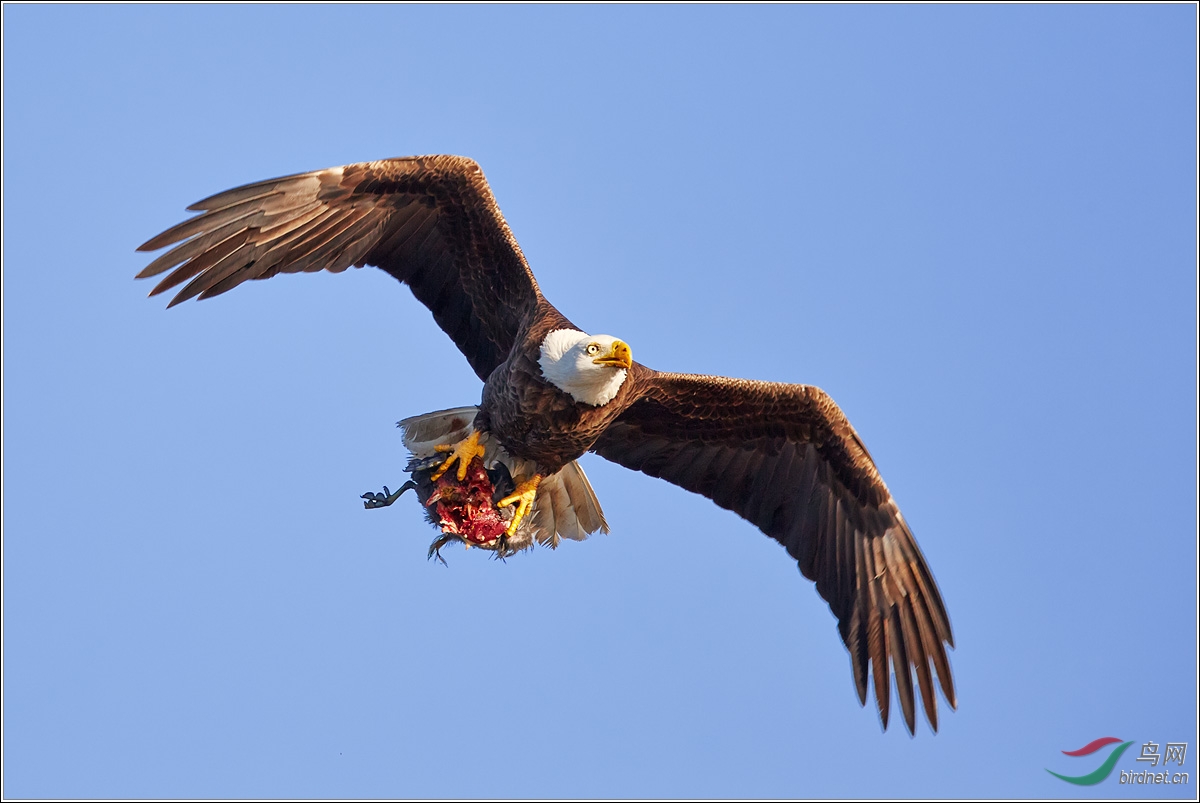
430	221
785	458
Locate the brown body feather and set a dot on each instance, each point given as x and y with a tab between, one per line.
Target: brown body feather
784	457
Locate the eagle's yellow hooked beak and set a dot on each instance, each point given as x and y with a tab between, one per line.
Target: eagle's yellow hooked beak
619	356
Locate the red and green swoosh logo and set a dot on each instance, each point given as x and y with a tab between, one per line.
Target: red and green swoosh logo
1101	772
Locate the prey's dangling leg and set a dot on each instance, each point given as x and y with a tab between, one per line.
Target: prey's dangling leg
435	549
464	452
523	497
374	500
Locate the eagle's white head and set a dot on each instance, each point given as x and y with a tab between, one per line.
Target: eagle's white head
590	368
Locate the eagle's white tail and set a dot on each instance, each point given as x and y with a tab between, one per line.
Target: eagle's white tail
566	506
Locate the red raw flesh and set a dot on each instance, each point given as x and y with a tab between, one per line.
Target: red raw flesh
465	508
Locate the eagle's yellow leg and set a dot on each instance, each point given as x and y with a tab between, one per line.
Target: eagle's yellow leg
464	452
523	497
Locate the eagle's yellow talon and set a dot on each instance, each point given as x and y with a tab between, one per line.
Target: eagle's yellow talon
464	452
523	497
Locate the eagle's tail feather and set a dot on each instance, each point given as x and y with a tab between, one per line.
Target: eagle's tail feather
582	500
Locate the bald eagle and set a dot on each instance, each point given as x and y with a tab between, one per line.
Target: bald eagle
781	456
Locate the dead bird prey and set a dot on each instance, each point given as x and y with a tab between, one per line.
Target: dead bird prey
466	504
783	457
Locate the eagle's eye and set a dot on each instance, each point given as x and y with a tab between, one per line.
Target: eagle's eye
593	349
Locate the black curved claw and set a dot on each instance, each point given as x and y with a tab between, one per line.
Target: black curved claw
502	552
374	500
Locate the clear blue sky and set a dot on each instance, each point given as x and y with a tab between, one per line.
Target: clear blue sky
973	226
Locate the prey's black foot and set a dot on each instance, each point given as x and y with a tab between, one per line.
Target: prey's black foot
374	500
435	549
